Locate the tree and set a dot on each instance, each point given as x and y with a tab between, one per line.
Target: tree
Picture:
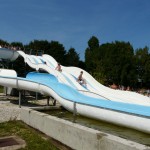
72	57
93	43
146	76
3	43
142	60
118	61
37	47
17	45
58	51
91	54
82	65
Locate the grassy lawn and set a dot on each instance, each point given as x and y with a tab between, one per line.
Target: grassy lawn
34	139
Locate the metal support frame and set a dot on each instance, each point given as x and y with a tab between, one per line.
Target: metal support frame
24	96
54	102
19	99
48	100
74	112
6	89
36	96
19	93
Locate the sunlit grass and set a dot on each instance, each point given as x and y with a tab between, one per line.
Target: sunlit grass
33	138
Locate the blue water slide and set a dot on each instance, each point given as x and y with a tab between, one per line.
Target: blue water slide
70	94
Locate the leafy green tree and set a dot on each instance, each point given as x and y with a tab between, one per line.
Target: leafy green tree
53	48
3	43
18	45
58	51
117	59
142	59
93	43
72	58
146	75
82	65
91	54
37	47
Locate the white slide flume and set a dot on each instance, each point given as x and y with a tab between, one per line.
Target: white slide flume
93	88
110	111
96	87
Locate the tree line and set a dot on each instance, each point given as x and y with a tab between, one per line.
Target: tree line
118	63
109	63
53	48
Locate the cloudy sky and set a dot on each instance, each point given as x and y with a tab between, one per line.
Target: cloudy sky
74	22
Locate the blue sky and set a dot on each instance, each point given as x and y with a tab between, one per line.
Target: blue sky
74	22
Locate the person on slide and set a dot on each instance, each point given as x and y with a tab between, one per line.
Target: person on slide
58	68
80	79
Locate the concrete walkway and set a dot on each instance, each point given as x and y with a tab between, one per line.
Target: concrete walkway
9	112
9	108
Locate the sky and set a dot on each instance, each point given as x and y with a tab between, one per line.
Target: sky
74	22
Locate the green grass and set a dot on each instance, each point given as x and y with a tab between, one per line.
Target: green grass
33	138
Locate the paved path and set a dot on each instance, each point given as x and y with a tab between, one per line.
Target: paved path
9	108
9	111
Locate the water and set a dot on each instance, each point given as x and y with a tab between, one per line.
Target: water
122	132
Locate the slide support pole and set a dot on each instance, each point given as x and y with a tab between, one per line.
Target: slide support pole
74	111
19	99
36	96
48	100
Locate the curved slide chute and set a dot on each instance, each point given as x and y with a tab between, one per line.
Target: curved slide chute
110	111
32	61
68	77
38	62
93	88
111	94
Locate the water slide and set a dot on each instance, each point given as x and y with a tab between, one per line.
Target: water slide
96	87
93	88
128	115
38	63
120	113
